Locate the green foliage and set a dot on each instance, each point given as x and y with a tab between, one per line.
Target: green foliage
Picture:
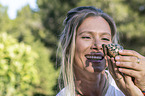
17	67
4	19
27	28
52	14
47	73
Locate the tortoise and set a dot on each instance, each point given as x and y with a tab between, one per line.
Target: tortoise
112	49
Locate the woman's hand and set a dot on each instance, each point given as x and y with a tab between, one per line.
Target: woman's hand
122	79
132	64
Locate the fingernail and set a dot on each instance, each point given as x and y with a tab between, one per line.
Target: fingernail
120	69
120	51
115	69
116	57
117	63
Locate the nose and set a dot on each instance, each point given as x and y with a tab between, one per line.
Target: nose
97	45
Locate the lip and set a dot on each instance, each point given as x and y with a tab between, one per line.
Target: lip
95	57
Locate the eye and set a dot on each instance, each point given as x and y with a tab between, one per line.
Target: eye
106	39
86	37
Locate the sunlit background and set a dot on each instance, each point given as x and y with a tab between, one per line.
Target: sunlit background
15	5
29	33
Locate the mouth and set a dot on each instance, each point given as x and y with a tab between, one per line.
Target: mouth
95	56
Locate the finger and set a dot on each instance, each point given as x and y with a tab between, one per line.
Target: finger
130	53
131	65
130	87
130	72
128	80
106	58
114	70
126	58
113	63
119	79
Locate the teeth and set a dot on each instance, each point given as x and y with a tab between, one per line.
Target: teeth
94	57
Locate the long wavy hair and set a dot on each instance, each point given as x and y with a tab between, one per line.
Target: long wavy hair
73	20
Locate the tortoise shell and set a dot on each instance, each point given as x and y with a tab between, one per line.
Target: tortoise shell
112	49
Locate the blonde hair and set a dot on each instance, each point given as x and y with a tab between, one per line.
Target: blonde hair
67	42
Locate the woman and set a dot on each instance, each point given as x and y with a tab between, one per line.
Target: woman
83	61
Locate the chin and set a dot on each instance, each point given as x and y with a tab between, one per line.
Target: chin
95	69
98	70
95	66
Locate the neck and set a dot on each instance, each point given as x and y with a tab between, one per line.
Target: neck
90	84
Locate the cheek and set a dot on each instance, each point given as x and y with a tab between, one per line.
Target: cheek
82	45
81	49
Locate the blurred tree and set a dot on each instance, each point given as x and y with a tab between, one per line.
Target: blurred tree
46	71
31	31
137	6
52	15
4	19
18	73
25	28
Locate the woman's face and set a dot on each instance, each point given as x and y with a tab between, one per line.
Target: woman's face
91	34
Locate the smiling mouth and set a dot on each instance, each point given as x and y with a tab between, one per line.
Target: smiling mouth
95	56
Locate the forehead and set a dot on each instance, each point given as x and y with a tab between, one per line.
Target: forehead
94	24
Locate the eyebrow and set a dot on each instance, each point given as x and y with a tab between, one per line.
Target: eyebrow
90	32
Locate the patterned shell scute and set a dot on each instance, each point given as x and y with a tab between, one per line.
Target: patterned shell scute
113	49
